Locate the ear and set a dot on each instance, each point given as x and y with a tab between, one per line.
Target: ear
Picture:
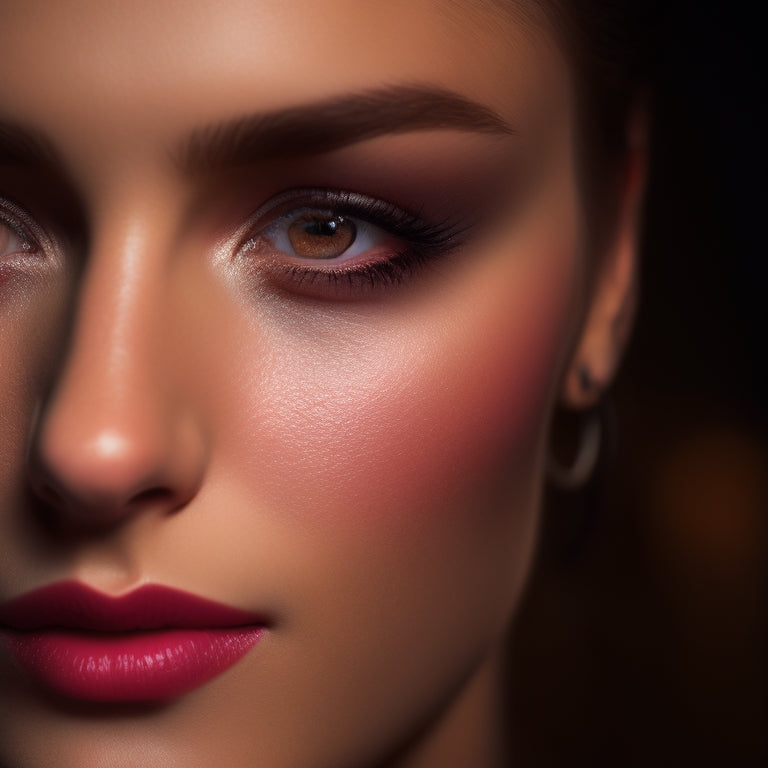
613	297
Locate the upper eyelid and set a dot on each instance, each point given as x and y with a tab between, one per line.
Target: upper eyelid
353	204
294	212
389	216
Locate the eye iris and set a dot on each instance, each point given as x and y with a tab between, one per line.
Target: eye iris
321	236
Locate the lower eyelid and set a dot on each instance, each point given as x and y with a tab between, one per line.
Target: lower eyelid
350	281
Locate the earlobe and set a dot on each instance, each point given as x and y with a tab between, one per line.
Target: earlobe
606	331
609	318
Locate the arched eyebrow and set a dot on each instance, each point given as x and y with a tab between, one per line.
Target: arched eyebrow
327	125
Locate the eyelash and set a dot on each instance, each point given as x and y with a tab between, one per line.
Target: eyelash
422	242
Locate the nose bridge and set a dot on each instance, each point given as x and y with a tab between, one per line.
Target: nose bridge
112	364
116	297
107	434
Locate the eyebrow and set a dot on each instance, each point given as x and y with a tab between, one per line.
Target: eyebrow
336	122
24	147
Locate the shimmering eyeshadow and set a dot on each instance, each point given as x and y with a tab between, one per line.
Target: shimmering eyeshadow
320	235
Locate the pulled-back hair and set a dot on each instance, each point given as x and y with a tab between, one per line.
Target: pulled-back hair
612	43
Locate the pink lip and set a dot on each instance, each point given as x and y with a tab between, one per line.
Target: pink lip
152	644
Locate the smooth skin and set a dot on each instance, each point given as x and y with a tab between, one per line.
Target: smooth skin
363	465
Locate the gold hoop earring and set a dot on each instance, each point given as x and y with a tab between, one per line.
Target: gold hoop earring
577	475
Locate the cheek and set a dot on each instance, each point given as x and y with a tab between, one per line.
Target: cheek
436	406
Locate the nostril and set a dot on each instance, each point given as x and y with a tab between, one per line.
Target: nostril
151	496
97	465
49	494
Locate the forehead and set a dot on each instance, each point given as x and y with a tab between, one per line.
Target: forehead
99	71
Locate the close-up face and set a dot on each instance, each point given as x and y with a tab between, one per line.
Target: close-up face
289	292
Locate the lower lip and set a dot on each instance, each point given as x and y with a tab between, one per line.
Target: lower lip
132	666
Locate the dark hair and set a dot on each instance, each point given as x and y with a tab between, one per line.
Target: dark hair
611	42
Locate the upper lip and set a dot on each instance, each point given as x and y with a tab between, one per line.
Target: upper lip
73	605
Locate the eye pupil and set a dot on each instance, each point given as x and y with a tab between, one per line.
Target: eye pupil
321	236
327	228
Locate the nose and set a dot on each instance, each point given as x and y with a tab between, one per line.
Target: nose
115	437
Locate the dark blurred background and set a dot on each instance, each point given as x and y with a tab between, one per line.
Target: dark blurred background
643	638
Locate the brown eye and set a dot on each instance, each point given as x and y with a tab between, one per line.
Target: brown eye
316	235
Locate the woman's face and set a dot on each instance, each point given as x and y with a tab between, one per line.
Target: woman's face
287	290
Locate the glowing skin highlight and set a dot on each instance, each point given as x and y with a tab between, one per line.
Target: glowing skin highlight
359	457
